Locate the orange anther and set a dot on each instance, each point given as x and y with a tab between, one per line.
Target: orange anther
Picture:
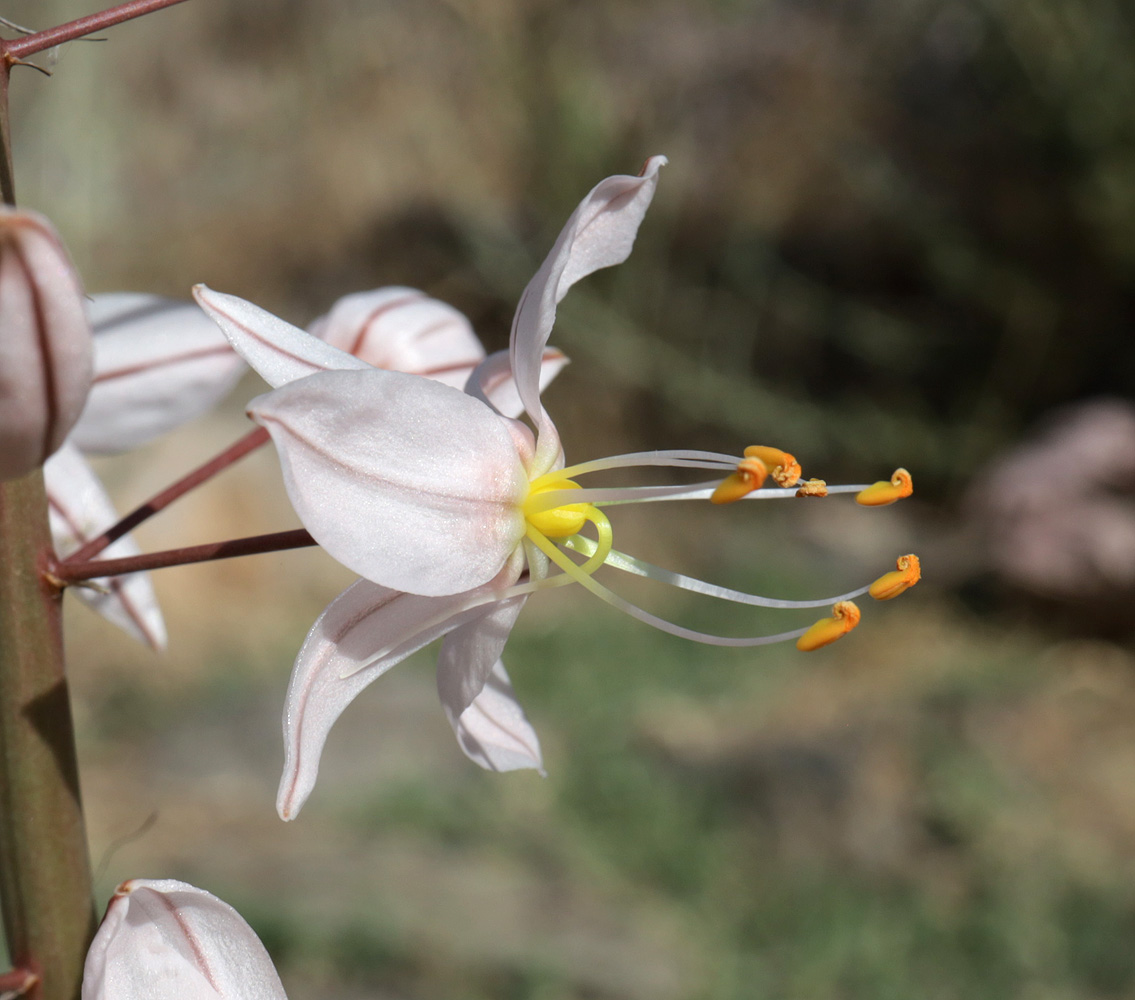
750	475
845	616
783	468
813	488
882	493
889	585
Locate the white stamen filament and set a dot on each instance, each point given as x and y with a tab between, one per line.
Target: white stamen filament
638	567
607	497
678	459
574	571
699	491
551	499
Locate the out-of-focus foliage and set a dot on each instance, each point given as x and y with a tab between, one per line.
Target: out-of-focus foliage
935	810
885	231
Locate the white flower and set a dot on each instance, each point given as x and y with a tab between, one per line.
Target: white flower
45	344
159	363
387	327
454	512
168	940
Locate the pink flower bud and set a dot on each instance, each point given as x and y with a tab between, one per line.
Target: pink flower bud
403	330
45	342
168	940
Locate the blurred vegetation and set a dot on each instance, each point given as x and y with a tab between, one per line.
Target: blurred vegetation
884	232
889	234
934	809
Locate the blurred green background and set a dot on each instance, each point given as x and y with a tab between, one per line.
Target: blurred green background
890	234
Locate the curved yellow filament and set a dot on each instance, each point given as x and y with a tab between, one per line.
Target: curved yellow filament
606	537
578	571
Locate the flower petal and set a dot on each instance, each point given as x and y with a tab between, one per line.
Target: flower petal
403	330
494	732
168	940
475	692
80	510
280	352
405	481
600	233
365	631
469	653
159	363
45	348
492	381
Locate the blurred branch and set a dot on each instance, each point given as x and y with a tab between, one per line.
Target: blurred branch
7	178
18	49
74	572
17	983
246	445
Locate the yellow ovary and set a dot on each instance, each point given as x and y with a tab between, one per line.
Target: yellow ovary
558	522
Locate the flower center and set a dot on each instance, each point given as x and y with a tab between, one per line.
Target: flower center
546	521
556	522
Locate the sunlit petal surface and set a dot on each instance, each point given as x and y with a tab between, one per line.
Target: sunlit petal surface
404	480
279	352
600	233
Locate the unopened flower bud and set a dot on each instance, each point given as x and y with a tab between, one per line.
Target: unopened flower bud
403	330
168	940
45	342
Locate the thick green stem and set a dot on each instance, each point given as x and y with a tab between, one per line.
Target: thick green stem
45	881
